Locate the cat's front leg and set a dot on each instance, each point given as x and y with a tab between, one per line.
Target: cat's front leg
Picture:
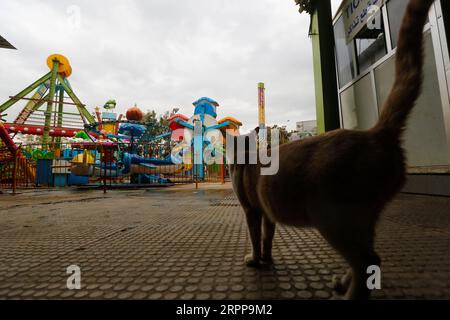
342	283
254	219
268	229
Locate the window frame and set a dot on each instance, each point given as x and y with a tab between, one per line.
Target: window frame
353	57
390	50
359	74
360	70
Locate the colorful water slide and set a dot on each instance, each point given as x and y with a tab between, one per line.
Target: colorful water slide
22	162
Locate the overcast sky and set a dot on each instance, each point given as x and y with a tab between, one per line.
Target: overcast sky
162	54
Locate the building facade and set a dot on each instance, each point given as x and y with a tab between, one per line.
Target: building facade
309	126
304	129
366	34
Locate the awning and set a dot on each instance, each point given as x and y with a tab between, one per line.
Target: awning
5	44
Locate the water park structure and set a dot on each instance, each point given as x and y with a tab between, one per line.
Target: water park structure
202	131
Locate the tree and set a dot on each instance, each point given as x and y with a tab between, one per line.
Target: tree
306	5
156	126
283	134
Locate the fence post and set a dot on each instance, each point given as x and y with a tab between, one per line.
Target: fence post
104	164
195	169
14	177
104	180
25	172
222	172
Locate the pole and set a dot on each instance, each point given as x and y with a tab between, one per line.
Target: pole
14	177
222	171
104	171
48	112
198	149
325	83
261	106
262	114
104	179
60	114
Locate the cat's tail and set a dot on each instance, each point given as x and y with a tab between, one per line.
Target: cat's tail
408	73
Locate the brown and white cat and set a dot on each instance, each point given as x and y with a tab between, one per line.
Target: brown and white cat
339	182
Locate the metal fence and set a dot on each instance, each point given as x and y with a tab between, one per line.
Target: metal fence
16	171
107	165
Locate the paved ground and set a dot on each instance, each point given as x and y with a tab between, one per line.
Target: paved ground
179	243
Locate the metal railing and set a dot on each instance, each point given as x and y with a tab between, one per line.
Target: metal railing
16	171
103	166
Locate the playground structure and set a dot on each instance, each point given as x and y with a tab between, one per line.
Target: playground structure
104	149
202	134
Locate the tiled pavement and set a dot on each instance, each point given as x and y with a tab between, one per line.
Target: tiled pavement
179	243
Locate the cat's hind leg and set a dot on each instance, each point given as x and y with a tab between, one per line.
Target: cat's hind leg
359	261
354	241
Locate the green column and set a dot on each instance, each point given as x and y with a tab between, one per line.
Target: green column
48	112
60	112
322	36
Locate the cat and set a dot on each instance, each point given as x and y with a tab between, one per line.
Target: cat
340	181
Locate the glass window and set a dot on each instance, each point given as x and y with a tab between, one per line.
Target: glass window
371	42
344	54
446	12
358	105
396	10
425	147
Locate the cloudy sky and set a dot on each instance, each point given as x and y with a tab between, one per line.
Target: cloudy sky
162	54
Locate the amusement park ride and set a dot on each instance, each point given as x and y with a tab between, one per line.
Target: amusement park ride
104	143
40	116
